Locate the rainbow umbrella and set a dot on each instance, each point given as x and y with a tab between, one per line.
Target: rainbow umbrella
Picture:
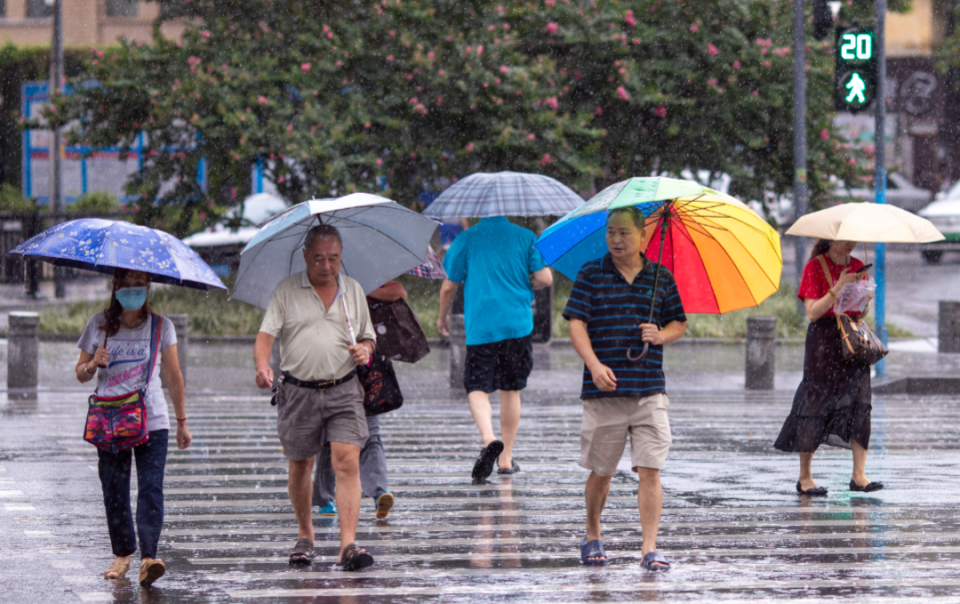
723	255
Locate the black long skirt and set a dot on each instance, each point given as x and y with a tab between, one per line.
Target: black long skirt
833	402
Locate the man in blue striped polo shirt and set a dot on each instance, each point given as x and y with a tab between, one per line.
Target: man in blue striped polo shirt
608	312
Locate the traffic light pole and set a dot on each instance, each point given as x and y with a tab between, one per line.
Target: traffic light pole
880	170
799	132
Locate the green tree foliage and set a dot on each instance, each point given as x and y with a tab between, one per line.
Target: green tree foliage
96	202
393	94
947	53
12	200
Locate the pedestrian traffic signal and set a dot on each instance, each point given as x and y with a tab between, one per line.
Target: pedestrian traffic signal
855	83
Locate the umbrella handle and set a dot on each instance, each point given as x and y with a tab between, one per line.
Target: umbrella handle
653	295
641	356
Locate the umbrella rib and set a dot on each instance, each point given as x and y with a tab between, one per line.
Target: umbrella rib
706	233
704	228
391	238
719	216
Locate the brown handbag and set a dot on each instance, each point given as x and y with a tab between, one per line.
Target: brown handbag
857	340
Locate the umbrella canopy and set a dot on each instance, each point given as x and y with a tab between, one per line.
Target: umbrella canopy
722	254
432	268
867	222
503	194
381	239
102	245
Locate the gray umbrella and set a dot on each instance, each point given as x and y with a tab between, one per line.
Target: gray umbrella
381	239
504	194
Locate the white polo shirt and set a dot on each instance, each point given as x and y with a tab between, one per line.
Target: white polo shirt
313	339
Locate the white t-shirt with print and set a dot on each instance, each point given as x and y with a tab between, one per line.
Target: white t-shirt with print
129	356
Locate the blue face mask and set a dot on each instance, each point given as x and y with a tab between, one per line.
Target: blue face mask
132	298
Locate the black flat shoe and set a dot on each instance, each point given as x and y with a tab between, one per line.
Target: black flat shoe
867	488
485	461
814	492
513	469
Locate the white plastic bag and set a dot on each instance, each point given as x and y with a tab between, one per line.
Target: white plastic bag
854	297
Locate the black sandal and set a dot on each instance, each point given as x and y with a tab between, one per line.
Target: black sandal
483	467
354	558
302	552
814	492
867	488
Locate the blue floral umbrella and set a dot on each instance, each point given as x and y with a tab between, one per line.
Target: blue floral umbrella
102	245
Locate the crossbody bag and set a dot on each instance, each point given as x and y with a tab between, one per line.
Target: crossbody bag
857	340
117	423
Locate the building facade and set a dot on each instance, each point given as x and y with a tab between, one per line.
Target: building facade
86	23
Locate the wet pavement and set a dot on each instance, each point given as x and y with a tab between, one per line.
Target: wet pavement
733	526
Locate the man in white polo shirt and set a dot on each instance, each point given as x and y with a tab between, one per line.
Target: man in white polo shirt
320	402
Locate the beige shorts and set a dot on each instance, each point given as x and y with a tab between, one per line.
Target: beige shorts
608	422
307	419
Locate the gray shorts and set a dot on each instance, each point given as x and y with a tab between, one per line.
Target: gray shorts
307	419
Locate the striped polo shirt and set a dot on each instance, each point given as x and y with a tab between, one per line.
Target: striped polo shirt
613	311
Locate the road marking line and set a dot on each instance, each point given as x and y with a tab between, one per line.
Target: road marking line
541	540
668	512
613	569
543	526
686	554
532	588
96	596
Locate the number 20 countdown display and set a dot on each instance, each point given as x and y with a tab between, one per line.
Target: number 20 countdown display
855	83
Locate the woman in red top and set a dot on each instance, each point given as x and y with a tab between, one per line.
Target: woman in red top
833	402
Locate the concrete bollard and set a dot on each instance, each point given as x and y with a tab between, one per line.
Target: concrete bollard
180	327
23	351
948	326
458	349
761	348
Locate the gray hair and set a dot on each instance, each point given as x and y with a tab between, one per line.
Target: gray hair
321	230
639	220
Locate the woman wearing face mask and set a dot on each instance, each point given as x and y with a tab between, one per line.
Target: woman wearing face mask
833	403
115	348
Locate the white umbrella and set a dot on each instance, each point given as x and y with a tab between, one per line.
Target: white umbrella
381	239
866	222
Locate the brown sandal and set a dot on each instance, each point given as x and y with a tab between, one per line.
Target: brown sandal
120	568
302	552
151	570
354	558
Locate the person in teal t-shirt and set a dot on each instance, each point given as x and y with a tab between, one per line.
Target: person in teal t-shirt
499	269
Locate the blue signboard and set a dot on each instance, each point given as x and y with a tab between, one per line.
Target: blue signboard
81	173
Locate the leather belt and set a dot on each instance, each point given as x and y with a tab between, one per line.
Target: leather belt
319	384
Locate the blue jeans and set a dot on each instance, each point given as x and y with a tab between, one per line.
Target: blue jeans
115	480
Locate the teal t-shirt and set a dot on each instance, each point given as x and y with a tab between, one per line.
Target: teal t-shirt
493	261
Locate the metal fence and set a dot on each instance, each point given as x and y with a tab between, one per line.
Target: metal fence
17	227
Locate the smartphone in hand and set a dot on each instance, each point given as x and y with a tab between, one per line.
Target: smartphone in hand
864	268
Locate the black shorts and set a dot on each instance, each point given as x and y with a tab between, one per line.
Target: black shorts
503	365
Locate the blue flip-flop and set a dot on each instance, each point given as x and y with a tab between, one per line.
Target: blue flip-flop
652	557
592	549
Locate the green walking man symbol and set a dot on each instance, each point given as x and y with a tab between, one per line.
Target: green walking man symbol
856	86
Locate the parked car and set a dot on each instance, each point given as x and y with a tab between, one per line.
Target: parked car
900	192
945	215
220	246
